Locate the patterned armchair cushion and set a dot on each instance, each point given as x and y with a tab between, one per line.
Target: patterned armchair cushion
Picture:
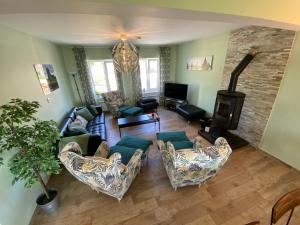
114	98
103	175
193	166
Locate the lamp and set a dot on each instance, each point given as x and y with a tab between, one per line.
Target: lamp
125	55
77	88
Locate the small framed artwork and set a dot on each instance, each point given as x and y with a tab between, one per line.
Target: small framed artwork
200	63
47	78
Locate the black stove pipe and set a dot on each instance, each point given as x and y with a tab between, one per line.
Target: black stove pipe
238	70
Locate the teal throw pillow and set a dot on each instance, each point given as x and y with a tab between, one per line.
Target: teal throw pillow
135	142
85	113
172	136
92	109
125	152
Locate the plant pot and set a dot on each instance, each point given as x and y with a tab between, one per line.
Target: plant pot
46	205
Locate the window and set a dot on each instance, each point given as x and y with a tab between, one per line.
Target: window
149	71
103	76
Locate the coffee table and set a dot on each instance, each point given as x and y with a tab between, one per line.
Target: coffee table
138	120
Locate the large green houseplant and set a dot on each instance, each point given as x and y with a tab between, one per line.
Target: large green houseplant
33	142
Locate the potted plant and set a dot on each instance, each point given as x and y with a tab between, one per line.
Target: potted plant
33	141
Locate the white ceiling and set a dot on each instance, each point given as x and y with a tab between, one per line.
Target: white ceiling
92	22
90	29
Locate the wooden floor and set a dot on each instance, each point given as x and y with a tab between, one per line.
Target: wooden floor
243	191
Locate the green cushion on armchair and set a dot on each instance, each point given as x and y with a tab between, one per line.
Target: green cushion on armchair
182	144
125	152
172	136
135	142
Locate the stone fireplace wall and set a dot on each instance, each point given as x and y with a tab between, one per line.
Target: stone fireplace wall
260	81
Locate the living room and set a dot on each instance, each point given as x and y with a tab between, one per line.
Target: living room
258	43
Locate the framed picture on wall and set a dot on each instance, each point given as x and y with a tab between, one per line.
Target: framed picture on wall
200	63
47	78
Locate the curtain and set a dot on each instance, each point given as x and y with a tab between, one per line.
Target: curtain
164	59
84	77
119	78
136	85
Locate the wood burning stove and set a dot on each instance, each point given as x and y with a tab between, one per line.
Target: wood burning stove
228	108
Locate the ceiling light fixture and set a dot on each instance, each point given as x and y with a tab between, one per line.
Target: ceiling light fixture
125	55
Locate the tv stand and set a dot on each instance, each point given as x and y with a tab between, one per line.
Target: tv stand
172	103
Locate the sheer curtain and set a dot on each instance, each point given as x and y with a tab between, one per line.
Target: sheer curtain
84	77
165	61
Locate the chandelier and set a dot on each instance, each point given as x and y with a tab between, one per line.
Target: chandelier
125	56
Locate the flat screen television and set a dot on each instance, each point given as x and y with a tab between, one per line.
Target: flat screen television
176	91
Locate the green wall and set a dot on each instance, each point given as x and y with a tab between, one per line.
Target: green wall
203	85
18	79
282	134
98	53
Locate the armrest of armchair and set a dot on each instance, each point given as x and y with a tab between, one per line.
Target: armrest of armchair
135	159
161	145
133	164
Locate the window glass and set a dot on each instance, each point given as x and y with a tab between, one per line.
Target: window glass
111	76
149	72
103	76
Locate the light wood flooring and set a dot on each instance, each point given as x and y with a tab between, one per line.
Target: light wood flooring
243	191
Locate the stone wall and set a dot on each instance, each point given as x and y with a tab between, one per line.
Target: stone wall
260	81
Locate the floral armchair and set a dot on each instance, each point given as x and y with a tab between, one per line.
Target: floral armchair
193	166
108	176
118	105
114	100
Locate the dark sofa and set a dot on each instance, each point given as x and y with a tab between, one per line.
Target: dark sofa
96	126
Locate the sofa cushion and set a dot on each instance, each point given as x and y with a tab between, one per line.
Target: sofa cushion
96	121
185	157
172	136
125	152
135	142
83	122
85	113
182	144
98	130
81	140
92	109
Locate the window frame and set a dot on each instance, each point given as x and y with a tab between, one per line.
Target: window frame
151	90
104	61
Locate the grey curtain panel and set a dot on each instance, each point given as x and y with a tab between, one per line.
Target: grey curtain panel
136	85
165	61
85	79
